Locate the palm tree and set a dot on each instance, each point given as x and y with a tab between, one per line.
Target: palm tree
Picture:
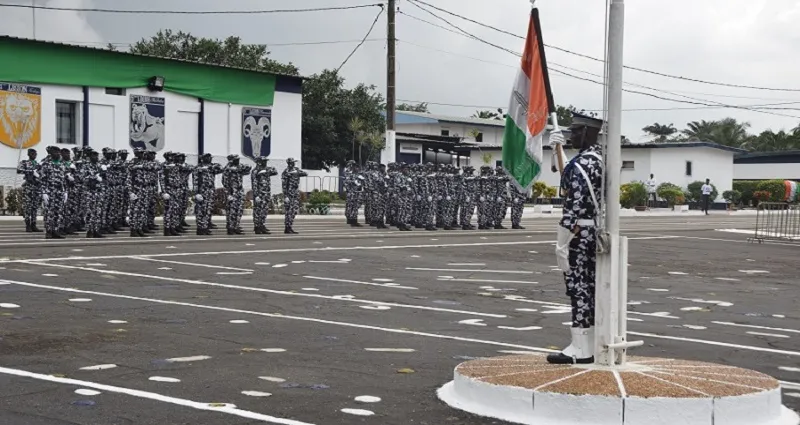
768	141
356	126
489	115
699	130
660	132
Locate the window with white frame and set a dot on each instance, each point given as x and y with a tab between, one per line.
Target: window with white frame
66	122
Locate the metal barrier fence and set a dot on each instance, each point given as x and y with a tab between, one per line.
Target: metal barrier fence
777	221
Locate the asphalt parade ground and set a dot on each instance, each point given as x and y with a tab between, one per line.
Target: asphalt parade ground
353	326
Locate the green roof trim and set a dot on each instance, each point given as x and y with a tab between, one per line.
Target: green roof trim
36	62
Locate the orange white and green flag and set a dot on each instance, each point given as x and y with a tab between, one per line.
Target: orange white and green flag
530	107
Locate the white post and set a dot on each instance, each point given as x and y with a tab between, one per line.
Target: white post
388	154
607	298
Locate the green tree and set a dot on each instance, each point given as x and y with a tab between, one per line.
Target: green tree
331	133
419	107
769	141
489	115
728	131
660	132
564	114
228	52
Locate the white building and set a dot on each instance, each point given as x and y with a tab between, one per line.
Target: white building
767	166
99	98
456	142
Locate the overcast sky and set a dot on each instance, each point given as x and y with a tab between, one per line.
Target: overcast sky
747	42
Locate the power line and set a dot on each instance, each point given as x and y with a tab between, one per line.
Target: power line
455	54
459	105
661	74
371	27
701	101
190	12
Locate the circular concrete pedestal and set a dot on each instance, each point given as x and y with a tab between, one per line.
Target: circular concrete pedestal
646	391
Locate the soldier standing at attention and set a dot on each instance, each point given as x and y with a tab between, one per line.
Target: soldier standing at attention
485	197
290	180
501	189
576	246
470	194
183	193
91	174
54	193
31	190
203	177
70	211
123	169
78	161
518	198
261	179
353	189
232	177
137	193
152	171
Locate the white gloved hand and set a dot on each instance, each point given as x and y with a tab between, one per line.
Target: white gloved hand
133	197
230	198
467	199
70	178
65	198
45	198
72	166
556	138
449	198
564	237
430	199
198	198
262	172
286	200
499	199
419	198
36	174
98	178
439	198
258	199
165	196
483	199
104	167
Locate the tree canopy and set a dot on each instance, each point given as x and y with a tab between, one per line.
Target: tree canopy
564	114
660	132
419	107
489	115
727	132
328	106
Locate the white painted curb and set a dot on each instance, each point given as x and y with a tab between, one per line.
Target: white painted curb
530	407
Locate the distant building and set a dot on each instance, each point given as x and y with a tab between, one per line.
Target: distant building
65	95
783	165
424	137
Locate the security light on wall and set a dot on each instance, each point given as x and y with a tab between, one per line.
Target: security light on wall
156	83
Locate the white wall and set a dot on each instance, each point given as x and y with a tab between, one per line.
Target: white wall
491	135
668	165
109	117
782	171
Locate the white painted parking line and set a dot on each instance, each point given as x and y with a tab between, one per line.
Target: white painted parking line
766	328
271	291
286	317
209	266
716	343
284	250
382	285
424	269
152	396
524	282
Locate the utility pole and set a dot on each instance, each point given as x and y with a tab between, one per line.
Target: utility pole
33	10
388	153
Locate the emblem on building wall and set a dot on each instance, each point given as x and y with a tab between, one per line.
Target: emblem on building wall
256	132
20	115
147	122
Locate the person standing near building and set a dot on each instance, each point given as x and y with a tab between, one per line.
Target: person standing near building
501	189
123	170
261	179
31	190
93	182
78	160
290	180
707	190
485	195
170	192
469	197
232	177
352	188
54	193
518	198
203	177
576	246
137	192
70	212
651	185
153	173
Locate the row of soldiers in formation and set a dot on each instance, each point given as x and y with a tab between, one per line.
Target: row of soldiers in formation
431	197
80	191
